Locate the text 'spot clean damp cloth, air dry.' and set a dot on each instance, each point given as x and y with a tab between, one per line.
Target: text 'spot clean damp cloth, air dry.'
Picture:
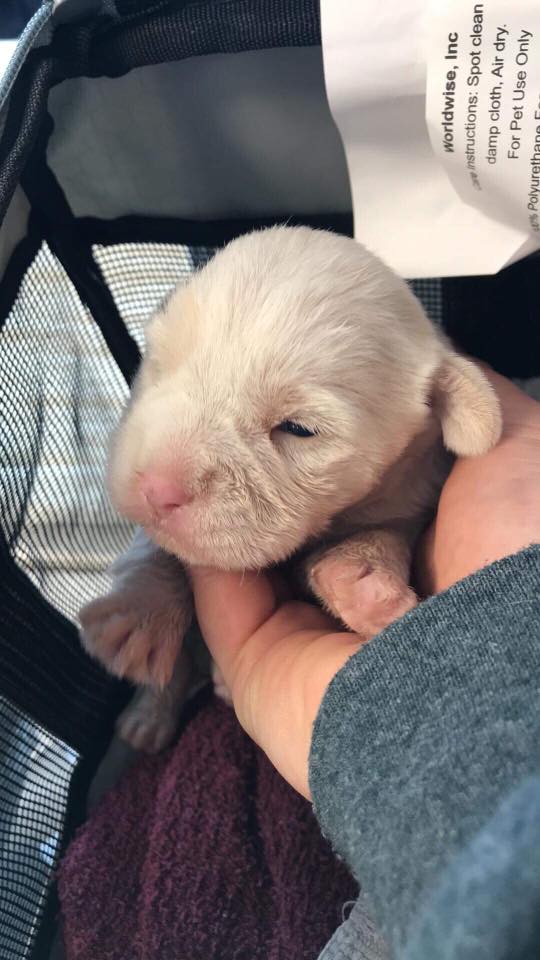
438	105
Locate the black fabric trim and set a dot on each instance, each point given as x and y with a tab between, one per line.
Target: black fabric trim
129	9
26	111
212	233
103	47
48	200
496	318
59	228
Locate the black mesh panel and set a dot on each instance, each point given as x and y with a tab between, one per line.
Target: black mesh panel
141	275
56	368
36	771
429	292
61	393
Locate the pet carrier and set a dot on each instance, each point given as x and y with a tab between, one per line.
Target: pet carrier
136	136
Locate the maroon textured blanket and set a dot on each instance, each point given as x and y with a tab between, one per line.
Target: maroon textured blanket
202	853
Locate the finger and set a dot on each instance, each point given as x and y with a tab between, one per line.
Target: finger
276	659
233	608
519	409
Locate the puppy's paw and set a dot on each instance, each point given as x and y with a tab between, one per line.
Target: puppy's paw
150	720
365	598
136	632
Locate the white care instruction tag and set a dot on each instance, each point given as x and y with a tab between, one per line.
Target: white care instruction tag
438	106
483	105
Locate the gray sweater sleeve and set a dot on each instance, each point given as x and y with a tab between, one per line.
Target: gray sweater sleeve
422	769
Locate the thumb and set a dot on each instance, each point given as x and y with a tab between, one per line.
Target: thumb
276	659
241	615
244	624
230	608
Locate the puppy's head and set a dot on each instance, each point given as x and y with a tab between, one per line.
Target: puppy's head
276	389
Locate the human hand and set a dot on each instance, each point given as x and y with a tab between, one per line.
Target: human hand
489	506
277	658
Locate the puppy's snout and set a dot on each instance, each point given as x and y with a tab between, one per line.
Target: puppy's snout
163	494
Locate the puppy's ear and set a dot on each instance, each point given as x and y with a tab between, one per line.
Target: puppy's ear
467	407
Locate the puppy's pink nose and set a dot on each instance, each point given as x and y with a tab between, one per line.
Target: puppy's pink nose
163	494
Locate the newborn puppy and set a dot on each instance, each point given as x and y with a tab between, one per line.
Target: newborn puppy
295	402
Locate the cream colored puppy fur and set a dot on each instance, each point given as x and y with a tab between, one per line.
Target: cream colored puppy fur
287	329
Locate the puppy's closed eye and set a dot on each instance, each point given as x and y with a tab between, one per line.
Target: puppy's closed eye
295	429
